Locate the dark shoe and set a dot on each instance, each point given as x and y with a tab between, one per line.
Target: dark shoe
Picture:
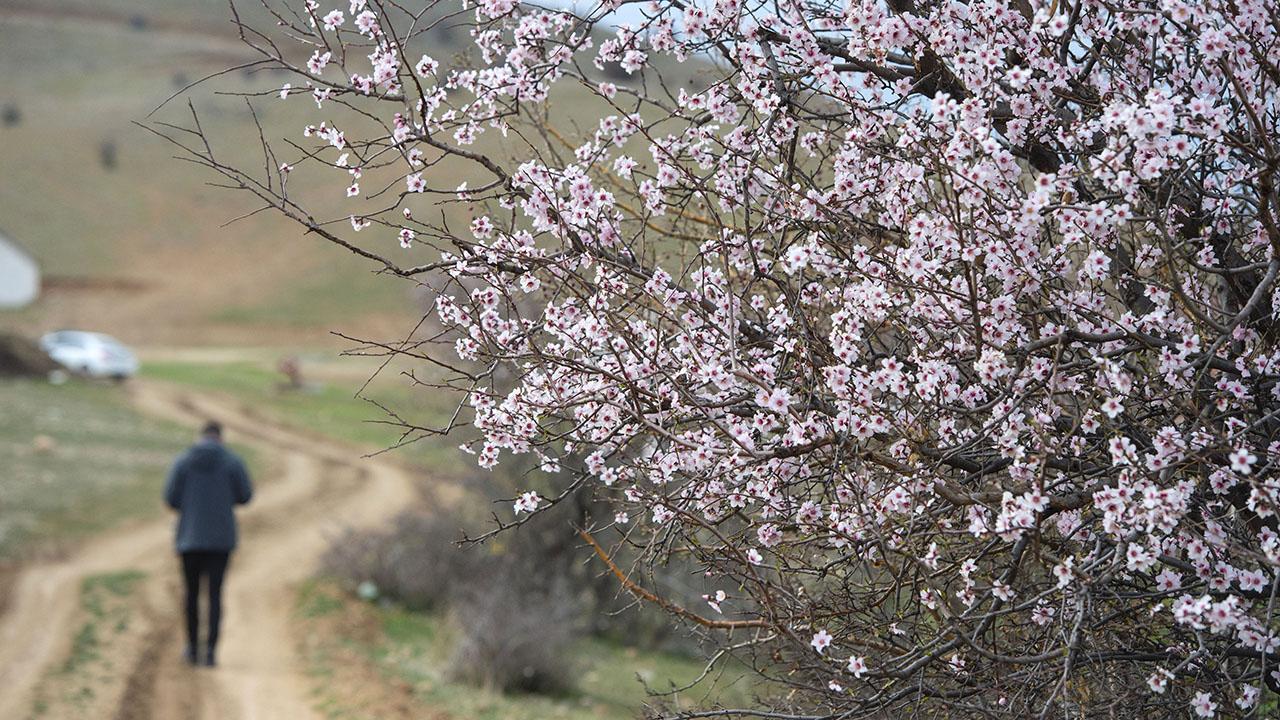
189	655
208	659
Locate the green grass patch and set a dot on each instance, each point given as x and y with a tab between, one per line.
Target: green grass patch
78	460
106	609
315	602
104	601
99	590
84	649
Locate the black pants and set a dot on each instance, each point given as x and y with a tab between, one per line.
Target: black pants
212	566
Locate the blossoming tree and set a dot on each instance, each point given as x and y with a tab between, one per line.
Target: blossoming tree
940	335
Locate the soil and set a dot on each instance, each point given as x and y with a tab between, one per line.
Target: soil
22	357
318	487
341	639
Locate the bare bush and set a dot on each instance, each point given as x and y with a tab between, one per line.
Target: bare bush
515	628
412	562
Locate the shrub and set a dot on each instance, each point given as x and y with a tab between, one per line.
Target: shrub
511	604
108	157
412	562
515	627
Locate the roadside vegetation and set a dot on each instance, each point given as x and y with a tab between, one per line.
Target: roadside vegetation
403	661
530	616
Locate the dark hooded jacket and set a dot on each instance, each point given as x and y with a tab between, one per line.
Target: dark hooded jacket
204	486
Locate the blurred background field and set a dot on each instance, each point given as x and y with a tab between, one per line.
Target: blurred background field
131	241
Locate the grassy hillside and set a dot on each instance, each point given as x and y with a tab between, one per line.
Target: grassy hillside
131	240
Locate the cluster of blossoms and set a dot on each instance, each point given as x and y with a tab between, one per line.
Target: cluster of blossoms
944	331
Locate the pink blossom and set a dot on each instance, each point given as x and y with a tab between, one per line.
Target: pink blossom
857	665
777	400
821	640
1248	697
367	23
426	66
1168	580
1242	461
1158	681
318	61
528	502
1203	706
1112	407
769	535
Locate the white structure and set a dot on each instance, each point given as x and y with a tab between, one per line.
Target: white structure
19	275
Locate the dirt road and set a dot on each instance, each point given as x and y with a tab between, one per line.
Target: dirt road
316	490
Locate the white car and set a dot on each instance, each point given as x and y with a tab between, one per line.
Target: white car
90	354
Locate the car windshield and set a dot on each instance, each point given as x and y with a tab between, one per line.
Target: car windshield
111	344
84	340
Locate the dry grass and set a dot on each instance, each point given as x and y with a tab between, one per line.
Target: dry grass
334	635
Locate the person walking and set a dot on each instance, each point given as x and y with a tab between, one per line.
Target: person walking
204	486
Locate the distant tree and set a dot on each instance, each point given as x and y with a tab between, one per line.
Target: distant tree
11	115
943	331
107	154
